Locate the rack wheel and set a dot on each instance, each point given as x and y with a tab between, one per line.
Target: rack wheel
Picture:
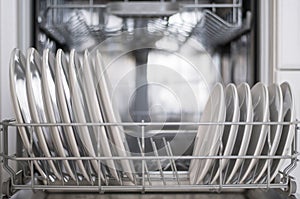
292	187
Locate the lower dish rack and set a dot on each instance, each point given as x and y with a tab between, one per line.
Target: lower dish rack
155	172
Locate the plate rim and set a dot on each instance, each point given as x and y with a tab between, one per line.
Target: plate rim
290	136
17	108
63	109
263	131
278	132
111	116
78	111
196	173
233	129
49	109
32	54
94	110
247	130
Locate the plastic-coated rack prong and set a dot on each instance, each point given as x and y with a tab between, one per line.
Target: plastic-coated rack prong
252	178
293	163
168	153
173	161
269	160
226	171
221	162
240	173
5	149
146	167
213	168
99	161
158	161
143	155
1	161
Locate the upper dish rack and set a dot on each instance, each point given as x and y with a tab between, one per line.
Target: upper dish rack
168	178
82	26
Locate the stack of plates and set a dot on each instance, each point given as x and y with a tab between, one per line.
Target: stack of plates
254	108
48	89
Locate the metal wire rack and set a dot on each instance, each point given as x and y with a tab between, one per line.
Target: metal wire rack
161	179
82	26
213	31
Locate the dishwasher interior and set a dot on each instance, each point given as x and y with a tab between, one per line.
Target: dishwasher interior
163	59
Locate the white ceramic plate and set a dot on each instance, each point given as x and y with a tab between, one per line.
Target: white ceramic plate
288	131
276	110
244	131
230	131
51	109
260	101
206	142
63	97
110	115
17	81
35	101
78	107
94	110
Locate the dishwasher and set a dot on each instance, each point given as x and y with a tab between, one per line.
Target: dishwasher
163	59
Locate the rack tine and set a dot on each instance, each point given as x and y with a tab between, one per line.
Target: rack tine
146	167
89	168
226	171
67	148
254	172
87	165
269	160
158	161
59	166
143	155
221	162
99	161
48	174
212	170
32	175
173	161
241	170
294	160
43	163
72	163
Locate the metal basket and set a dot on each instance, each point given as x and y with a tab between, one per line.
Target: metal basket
174	179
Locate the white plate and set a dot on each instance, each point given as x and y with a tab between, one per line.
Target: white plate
17	81
206	142
78	108
288	131
260	101
276	110
110	115
51	109
230	131
35	101
244	131
94	110
63	97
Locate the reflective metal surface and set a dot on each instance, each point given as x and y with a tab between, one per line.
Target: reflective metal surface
176	78
154	77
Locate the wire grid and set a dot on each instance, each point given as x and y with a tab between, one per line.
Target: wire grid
145	180
85	25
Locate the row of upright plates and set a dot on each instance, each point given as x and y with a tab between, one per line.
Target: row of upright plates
53	89
254	129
